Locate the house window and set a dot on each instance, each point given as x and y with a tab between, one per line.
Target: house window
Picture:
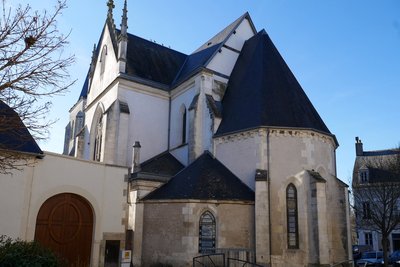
366	210
207	233
368	239
98	139
292	217
103	59
363	176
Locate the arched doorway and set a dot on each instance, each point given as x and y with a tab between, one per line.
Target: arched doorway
65	225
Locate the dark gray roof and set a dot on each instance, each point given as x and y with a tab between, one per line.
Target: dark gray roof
262	91
194	63
382	165
13	134
221	37
151	61
204	179
85	88
158	64
162	164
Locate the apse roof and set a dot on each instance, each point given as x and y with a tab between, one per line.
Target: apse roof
162	164
204	179
262	91
13	133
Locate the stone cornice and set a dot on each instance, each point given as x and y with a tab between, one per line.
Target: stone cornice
262	132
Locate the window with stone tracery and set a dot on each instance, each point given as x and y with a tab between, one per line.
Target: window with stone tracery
98	139
207	229
292	217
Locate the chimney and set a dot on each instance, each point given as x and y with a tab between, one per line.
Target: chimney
359	147
136	157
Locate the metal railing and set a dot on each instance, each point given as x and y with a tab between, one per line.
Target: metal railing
348	263
223	257
210	260
241	263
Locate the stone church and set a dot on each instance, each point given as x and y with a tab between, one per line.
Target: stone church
219	151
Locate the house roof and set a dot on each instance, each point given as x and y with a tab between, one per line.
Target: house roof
262	91
162	164
382	165
14	135
204	179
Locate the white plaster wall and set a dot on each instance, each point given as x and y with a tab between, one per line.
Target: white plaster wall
184	97
224	61
101	81
241	154
243	32
181	154
148	121
105	100
23	193
79	106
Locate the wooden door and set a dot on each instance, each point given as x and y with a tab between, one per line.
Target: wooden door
65	225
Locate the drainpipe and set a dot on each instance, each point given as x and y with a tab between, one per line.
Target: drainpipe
269	199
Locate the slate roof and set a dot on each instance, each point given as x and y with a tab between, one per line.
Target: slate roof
382	165
85	88
16	137
162	164
195	62
262	91
204	179
224	34
151	61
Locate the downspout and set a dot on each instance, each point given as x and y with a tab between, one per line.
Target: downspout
269	199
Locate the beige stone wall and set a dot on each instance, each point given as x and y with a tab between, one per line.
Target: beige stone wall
171	230
288	155
22	193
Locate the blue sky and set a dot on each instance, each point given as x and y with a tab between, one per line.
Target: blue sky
344	53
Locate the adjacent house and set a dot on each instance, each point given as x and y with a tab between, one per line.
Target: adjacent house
376	191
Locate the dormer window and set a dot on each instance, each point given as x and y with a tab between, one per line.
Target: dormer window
363	176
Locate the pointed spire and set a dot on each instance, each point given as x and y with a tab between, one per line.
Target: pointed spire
123	40
110	16
92	63
111	6
124	21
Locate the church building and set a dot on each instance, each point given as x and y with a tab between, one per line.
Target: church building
217	151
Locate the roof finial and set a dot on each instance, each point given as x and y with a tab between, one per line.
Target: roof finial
111	6
124	21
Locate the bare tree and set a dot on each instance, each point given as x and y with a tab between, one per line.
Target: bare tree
33	68
376	195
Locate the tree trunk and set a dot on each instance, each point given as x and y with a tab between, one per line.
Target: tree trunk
385	243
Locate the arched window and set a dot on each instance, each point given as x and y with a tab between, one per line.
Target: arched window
292	217
207	233
72	135
103	59
184	126
98	139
